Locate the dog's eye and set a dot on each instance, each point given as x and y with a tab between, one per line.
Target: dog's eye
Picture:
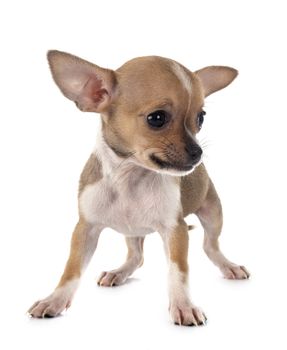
157	119
200	119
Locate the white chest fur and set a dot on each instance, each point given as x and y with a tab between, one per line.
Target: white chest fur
131	200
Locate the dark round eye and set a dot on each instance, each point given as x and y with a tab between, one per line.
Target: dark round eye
200	119
157	119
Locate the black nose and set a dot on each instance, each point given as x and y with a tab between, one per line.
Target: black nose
194	153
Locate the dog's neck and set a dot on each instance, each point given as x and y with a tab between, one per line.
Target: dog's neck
130	198
116	165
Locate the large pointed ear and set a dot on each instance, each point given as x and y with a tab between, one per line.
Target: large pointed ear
89	86
215	78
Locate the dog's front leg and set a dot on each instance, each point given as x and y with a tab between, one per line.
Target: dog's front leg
83	245
182	310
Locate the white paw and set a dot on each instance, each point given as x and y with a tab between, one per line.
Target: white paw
112	278
235	272
51	306
185	314
55	303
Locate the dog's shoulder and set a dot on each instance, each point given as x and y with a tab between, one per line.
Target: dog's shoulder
91	173
193	189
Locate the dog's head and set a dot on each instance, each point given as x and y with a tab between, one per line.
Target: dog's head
151	107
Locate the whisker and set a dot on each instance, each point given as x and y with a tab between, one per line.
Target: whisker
205	143
167	143
205	156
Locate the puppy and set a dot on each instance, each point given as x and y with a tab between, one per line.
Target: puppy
145	174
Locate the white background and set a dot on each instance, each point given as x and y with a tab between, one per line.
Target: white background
45	142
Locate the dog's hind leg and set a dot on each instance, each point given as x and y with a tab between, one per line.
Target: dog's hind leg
134	260
210	216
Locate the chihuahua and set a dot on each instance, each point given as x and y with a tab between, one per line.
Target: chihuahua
145	174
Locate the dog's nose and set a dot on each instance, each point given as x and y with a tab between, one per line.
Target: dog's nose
194	153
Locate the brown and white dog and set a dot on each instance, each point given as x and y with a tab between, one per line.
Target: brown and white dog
145	174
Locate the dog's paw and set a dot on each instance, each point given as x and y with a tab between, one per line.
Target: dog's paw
55	303
235	272
187	315
112	278
51	306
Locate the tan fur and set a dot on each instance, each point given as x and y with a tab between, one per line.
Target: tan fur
129	129
88	85
73	267
124	186
178	247
91	173
214	78
194	189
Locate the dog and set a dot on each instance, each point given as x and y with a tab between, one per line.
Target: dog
146	173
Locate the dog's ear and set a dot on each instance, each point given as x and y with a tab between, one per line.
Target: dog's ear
89	86
214	78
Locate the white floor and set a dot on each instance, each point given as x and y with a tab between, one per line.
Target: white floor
241	314
45	140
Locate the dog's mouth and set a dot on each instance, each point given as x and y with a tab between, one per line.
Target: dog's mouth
165	165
